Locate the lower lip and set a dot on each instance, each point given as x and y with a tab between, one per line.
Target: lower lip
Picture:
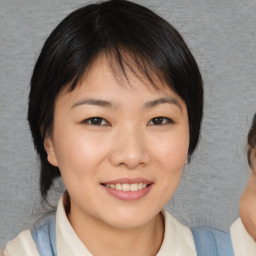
129	195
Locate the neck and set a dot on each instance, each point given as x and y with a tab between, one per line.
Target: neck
103	239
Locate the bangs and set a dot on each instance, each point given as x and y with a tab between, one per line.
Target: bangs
122	63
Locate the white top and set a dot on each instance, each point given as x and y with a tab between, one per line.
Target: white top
178	239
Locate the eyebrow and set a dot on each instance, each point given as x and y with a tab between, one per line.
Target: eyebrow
95	102
169	100
108	104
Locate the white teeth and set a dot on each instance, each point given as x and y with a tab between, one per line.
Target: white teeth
134	187
127	187
140	186
118	186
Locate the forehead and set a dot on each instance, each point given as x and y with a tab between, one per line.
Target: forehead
105	72
102	87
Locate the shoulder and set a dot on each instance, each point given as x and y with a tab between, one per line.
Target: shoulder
236	242
21	245
243	243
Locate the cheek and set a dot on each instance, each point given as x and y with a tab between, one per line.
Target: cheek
171	157
172	152
78	166
78	154
173	163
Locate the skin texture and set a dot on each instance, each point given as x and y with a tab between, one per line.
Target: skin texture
127	143
248	202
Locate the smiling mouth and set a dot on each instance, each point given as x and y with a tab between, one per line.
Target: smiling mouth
127	187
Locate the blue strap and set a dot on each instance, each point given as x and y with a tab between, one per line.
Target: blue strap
44	235
212	242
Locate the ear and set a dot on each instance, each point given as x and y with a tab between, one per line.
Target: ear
49	148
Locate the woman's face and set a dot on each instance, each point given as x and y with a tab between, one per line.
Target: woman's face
120	147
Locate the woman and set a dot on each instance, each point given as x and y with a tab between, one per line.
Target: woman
115	109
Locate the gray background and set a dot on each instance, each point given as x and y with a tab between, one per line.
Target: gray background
222	36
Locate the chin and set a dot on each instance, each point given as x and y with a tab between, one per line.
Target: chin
129	220
128	224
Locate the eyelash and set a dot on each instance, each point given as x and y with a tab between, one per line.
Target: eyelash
97	121
160	120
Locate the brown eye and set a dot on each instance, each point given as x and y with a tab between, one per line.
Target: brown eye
157	120
96	121
160	121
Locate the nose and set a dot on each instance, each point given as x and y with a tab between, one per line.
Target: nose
130	149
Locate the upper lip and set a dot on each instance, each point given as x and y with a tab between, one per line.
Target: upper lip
128	181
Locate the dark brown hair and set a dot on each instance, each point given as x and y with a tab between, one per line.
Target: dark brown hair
251	143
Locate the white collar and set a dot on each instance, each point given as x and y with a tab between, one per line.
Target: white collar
243	243
178	239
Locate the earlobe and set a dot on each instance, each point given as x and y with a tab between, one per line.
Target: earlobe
49	148
187	160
